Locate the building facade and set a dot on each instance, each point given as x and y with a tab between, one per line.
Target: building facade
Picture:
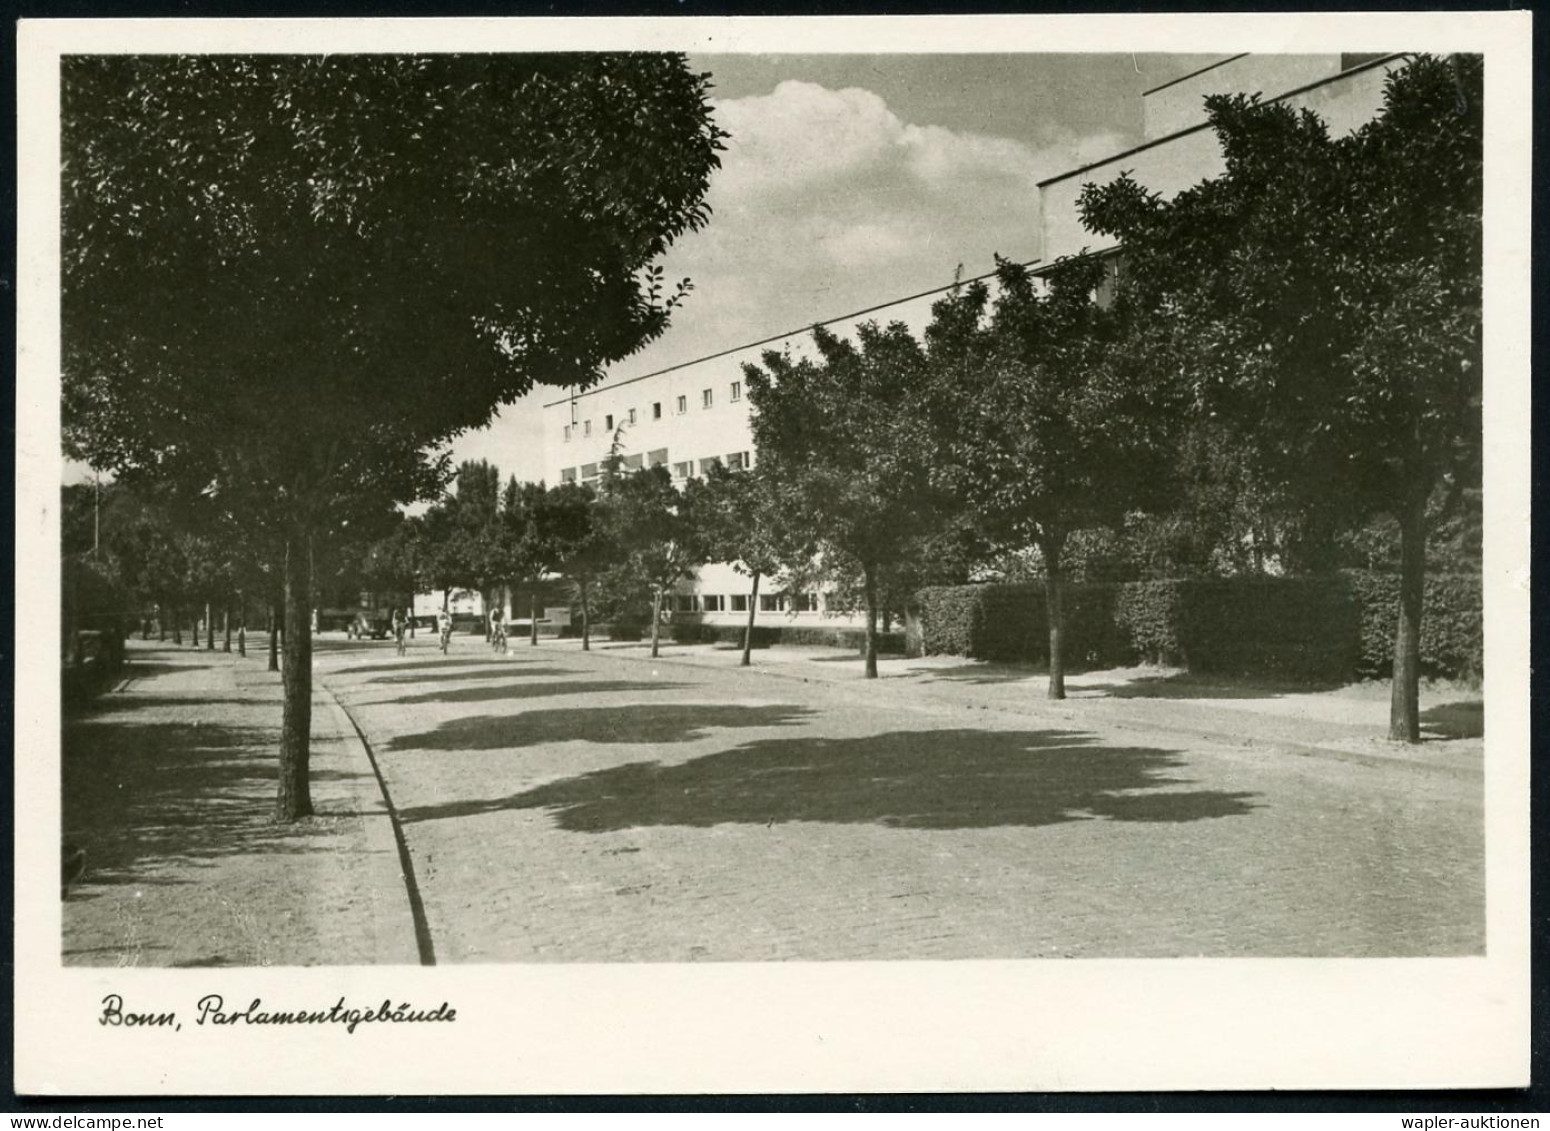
691	416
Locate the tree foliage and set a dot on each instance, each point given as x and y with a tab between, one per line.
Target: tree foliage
740	520
1322	298
289	280
658	544
1045	427
840	440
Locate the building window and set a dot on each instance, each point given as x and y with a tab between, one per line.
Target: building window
683	405
589	471
632	463
739	602
771	602
567	433
707	464
682	470
737	461
608	423
683	603
656	410
568	475
737	390
804	602
586	428
713	603
707	397
656	458
632	416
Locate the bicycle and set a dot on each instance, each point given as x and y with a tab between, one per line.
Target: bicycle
446	638
498	639
399	635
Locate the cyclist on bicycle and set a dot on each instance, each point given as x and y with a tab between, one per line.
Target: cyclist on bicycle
444	627
400	627
497	629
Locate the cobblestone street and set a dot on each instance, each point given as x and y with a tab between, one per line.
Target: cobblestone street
562	806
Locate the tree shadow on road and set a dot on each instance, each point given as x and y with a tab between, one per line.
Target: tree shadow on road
1161	685
498	670
140	795
1463	719
488	694
1193	685
443	663
942	779
647	723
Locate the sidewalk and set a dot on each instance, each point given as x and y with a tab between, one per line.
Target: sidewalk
169	785
1347	722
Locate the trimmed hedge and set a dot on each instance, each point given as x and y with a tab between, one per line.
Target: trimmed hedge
770	635
1330	628
689	632
622	632
1011	622
1452	625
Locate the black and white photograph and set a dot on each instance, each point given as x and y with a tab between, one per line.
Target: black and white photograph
794	521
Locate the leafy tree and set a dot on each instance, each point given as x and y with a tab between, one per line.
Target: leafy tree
656	536
1323	297
580	547
740	520
840	441
541	526
395	563
288	280
1044	429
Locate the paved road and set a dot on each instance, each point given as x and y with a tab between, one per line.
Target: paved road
562	806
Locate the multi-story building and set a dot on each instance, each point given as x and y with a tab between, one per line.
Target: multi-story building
693	415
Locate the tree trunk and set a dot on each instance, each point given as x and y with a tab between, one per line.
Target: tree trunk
209	629
242	638
226	627
1404	697
586	620
274	639
532	637
869	580
1055	601
411	614
656	619
295	796
161	624
177	628
753	606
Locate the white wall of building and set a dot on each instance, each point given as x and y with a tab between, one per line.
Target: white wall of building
1345	100
1180	104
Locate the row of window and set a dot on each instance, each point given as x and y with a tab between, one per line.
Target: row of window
590	472
738	603
737	461
707	400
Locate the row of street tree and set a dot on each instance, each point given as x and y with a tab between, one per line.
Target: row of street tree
1287	354
1289	363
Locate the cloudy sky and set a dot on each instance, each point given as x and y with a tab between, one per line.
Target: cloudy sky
850	180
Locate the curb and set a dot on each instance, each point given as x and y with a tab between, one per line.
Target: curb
384	844
1131	724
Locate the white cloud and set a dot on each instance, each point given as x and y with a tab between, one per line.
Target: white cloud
820	189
